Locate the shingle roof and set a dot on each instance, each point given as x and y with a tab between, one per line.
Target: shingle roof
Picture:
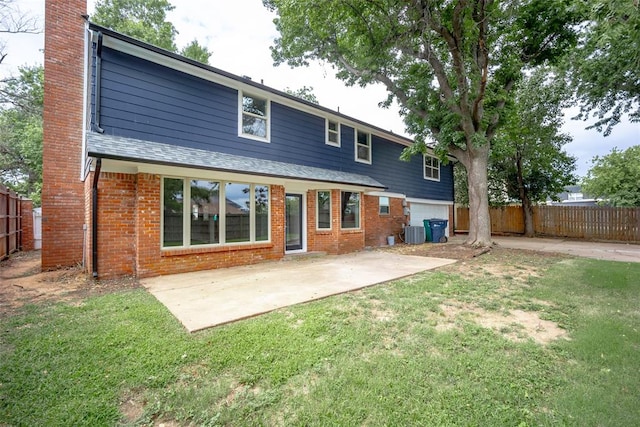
137	150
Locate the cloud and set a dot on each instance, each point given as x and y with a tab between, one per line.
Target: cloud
588	143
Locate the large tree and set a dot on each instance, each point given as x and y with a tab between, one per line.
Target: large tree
615	178
21	132
196	51
146	20
605	68
527	161
14	21
451	65
304	92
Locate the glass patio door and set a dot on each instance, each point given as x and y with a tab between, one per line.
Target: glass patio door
293	222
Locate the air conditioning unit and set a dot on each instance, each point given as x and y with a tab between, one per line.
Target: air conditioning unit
414	235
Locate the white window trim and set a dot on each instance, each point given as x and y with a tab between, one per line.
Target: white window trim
186	223
424	167
359	227
327	132
388	205
330	211
356	145
241	95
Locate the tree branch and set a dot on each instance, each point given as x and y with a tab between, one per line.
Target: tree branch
481	57
493	124
454	42
385	80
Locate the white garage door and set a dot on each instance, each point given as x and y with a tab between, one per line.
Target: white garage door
422	211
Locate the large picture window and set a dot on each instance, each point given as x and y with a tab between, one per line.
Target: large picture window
173	212
261	222
350	209
205	212
323	214
431	168
254	117
237	212
215	212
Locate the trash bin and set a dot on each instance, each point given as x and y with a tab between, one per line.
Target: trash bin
438	227
427	230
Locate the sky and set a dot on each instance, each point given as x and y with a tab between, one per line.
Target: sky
240	32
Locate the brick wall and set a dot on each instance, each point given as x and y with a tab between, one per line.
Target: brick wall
129	233
336	240
323	240
63	207
379	227
129	230
148	233
152	261
116	224
26	224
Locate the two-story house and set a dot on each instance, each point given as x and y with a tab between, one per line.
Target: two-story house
157	164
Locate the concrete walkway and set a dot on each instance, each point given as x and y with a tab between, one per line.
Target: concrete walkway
598	250
208	298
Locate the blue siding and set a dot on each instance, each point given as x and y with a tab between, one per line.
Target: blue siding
150	102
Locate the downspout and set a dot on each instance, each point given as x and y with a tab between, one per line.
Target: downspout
97	96
94	219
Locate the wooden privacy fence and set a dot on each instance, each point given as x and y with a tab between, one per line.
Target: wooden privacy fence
505	219
10	224
588	222
580	222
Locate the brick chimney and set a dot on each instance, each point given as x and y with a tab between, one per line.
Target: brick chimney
63	202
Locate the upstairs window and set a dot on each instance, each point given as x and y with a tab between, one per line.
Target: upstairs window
431	168
333	133
363	147
254	117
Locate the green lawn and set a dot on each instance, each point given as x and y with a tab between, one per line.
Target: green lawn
412	352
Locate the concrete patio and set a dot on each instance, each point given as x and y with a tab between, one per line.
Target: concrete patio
208	298
608	251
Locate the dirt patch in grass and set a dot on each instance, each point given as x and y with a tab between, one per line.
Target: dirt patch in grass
22	282
516	325
452	250
132	406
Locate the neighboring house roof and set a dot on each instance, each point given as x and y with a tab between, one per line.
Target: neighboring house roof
573	189
212	206
573	196
130	149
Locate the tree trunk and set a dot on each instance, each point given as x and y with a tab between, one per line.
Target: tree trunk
479	220
527	209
